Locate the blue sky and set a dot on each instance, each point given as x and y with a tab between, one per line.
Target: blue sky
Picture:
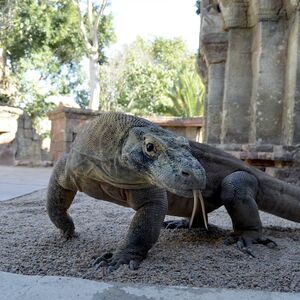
150	18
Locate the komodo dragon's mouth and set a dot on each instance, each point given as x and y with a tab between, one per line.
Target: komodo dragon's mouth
198	199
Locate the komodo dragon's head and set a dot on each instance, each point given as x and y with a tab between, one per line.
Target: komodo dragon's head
130	152
165	159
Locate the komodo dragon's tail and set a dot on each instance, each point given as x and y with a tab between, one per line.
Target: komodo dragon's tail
278	197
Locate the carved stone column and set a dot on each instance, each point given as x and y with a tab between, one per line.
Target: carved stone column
291	112
213	53
252	108
268	64
237	89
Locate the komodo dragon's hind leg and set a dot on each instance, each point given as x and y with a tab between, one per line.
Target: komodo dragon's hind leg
59	200
238	194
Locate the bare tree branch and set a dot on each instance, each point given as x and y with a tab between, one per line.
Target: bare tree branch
82	29
101	12
90	13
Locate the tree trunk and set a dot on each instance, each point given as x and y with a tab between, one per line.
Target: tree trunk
94	82
5	89
3	79
89	34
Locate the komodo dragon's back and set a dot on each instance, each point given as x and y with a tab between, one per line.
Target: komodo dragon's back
103	137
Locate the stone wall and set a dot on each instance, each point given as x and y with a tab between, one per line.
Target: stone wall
66	122
19	142
249	58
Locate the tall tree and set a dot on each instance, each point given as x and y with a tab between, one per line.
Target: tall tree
44	49
6	23
153	77
89	30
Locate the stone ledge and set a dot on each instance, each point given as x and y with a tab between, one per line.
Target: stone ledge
264	156
11	110
33	163
73	110
176	121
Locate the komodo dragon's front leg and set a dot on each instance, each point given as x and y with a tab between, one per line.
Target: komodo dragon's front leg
151	206
238	194
59	200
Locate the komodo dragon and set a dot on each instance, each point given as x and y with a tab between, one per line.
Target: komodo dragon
130	161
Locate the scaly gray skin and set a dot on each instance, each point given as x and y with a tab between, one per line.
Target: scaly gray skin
243	190
161	183
129	161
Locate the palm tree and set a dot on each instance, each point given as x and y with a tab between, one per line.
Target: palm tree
187	95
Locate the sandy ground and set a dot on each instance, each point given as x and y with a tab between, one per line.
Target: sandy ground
30	244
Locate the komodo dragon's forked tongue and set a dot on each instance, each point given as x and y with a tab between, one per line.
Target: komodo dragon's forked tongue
198	198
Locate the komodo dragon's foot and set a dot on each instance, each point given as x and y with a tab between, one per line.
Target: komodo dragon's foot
183	224
68	233
112	261
176	224
245	240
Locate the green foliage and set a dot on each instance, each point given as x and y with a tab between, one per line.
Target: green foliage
187	95
44	26
106	36
146	78
198	7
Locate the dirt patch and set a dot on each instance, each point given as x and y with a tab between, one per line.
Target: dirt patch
30	244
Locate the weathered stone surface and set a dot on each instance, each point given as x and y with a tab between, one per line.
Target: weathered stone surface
265	10
268	67
237	87
253	107
214	102
19	143
234	13
291	109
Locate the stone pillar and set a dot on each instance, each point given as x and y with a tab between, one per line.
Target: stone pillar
213	53
237	89
268	64
65	124
238	73
214	100
291	112
215	49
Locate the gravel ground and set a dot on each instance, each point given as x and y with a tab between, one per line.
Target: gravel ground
30	244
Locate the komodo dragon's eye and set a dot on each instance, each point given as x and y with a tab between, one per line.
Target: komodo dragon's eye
149	147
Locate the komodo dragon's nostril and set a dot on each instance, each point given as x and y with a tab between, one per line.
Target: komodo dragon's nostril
185	174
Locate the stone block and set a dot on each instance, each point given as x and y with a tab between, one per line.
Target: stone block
214	47
235	13
7	153
258	147
27	123
266	10
28	133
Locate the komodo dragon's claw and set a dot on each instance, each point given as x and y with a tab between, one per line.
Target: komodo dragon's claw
245	242
267	242
112	261
176	224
